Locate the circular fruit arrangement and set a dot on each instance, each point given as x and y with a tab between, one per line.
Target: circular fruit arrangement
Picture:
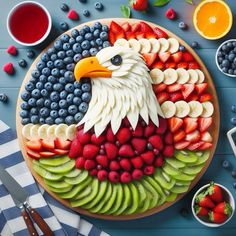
117	119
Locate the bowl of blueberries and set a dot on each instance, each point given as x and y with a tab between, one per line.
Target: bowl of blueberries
226	58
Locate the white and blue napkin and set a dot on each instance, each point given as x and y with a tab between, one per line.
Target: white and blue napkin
61	220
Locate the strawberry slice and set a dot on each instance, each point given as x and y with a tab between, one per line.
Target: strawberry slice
175	124
187	57
115	28
145	27
32	154
205	97
130	35
159	87
135	27
195	146
204	123
206	137
140	35
179	135
120	35
192	97
177	57
164	56
160	33
181	145
126	26
200	88
48	144
162	97
177	96
150	35
183	65
205	146
171	65
159	65
193	65
47	154
62	144
193	137
174	88
60	151
187	90
34	145
112	38
149	58
190	124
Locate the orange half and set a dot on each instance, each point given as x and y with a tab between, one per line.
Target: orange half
212	19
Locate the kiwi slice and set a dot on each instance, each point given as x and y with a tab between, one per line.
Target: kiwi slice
60	169
179	189
175	163
186	157
73	173
56	184
114	203
146	204
142	192
59	190
162	181
184	177
168	169
202	159
78	179
171	197
54	161
192	170
135	200
85	193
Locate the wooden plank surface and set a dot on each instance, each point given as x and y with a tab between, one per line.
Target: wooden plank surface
170	221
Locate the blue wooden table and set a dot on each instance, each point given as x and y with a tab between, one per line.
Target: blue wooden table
170	221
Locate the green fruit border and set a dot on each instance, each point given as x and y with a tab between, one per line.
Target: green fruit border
82	190
214	129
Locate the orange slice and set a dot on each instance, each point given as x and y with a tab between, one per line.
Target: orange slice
212	19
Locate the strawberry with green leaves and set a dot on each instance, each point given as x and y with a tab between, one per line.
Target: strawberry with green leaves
139	5
215	193
223	208
204	200
201	211
217	218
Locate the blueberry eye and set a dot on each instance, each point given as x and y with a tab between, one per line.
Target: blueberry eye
116	60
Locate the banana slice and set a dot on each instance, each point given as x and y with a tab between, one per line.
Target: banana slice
51	131
196	109
34	132
42	131
170	76
157	76
26	131
135	45
122	43
201	76
60	131
183	76
70	132
182	109
164	43
174	45
193	76
168	108
208	109
155	45
145	45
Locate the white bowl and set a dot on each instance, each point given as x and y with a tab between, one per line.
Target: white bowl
230	40
46	33
229	198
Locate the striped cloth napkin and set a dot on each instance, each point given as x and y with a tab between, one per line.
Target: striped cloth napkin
61	220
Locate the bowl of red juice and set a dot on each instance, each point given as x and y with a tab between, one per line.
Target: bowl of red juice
29	23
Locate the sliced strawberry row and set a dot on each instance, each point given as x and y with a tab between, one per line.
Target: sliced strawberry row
47	148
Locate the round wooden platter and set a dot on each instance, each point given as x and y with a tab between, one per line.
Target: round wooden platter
214	128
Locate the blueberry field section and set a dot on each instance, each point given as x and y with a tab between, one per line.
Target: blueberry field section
168	222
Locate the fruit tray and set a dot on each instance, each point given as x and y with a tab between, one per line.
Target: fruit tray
94	181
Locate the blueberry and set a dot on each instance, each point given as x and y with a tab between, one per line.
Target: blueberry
35	74
69	120
40	102
34	111
36	93
25	96
77	57
45	57
51	51
33	80
77	92
30	53
105	28
50	64
86	87
62	113
55	72
226	164
39	85
29	86
74	33
58	87
44	112
32	102
220	54
61	54
83	107
93	51
62	80
46	71
66	46
149	146
97	25
100	48
59	64
69	88
58	44
229	45
63	103
65	38
64	26
25	121
220	60
22	63
195	44
234	72
70	98
88	36
225	48
225	63
78	117
104	36
69	75
86	97
54	114
54	96
47	103
52	79
40	65
234	50
63	94
93	43
183	25
225	69
231	71
99	42
72	109
24	114
25	106
92	28
85	45
59	120
64	7
234	185
96	33
86	13
234	61
77	101
79	39
106	44
44	92
49	120
184	212
53	57
86	28
41	121
77	85
54	106
98	6
231	57
85	53
72	41
82	32
48	86
34	119
70	67
233	173
68	60
70	53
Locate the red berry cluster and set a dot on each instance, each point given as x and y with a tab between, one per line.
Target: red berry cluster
125	156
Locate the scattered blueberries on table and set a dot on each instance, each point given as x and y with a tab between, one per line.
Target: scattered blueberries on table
182	48
64	26
3	97
98	6
22	63
86	13
195	44
30	53
64	7
226	164
233	121
233	173
183	25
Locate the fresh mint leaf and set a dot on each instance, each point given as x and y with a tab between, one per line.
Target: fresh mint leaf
189	1
160	3
125	10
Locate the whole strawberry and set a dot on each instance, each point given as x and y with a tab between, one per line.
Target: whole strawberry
201	211
215	193
217	218
223	208
139	5
205	201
